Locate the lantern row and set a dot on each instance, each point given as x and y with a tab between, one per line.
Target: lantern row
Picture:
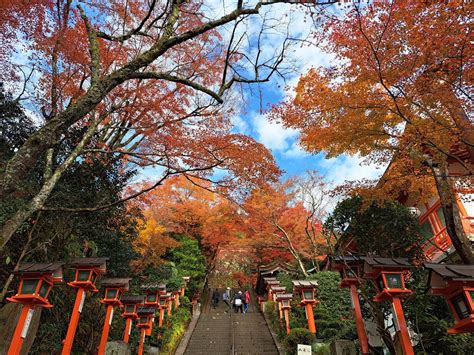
37	280
454	282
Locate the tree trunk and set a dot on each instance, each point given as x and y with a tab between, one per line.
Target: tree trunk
454	226
21	216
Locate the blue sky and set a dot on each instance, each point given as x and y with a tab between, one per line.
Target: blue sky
251	119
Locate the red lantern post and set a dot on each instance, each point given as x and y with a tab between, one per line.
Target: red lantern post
350	269
277	290
130	308
388	276
306	289
144	323
113	292
36	282
284	300
456	284
87	270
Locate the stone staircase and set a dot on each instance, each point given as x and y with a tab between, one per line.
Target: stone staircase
251	335
221	333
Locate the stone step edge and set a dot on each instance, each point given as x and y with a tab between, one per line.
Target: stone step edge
183	344
279	346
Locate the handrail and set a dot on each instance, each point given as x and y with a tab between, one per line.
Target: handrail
232	333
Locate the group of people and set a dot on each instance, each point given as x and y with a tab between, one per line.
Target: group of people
239	301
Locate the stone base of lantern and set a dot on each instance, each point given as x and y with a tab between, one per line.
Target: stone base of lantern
117	348
151	350
343	347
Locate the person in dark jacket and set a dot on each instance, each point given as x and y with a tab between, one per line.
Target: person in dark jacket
215	298
239	302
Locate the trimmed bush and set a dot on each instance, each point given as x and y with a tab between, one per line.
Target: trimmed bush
298	336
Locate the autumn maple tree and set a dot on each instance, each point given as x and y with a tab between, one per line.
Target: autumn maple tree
140	81
186	206
277	220
398	90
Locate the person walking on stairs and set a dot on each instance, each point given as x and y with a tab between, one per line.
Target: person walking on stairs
239	302
226	299
215	298
246	301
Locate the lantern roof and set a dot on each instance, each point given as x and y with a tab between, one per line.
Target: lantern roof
304	284
153	287
146	311
130	299
276	288
445	278
452	272
166	295
55	270
186	278
373	266
90	262
339	262
122	283
269	279
387	262
284	296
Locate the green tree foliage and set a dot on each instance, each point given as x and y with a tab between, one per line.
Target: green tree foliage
189	261
333	315
385	229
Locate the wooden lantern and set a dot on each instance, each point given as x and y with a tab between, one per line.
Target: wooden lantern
306	290
36	282
87	270
164	300
270	281
456	284
284	301
114	287
388	276
153	292
130	306
350	269
276	290
144	323
185	284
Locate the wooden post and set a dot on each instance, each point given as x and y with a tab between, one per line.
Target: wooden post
128	329
76	313
21	329
141	341
149	330
176	300
286	312
270	295
361	334
310	315
405	341
105	330
162	315
170	304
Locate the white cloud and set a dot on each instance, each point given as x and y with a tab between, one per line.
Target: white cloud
240	125
273	135
295	151
344	168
